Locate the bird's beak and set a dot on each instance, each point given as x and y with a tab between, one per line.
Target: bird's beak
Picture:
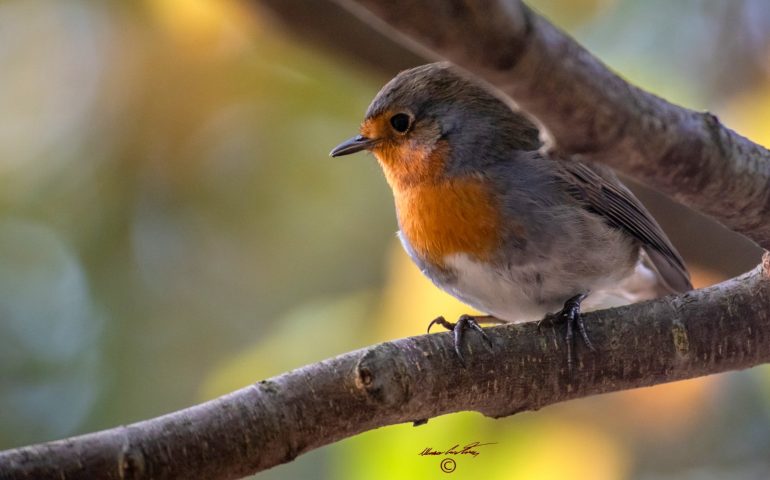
352	145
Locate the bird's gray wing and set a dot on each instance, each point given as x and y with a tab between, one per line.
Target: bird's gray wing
600	191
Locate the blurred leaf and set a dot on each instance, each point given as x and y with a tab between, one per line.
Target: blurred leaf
563	449
48	328
204	26
315	331
748	112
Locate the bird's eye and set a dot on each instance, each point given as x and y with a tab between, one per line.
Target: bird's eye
400	122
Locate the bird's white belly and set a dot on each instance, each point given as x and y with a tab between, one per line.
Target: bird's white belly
513	295
491	291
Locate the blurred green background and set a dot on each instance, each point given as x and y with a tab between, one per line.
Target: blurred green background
172	229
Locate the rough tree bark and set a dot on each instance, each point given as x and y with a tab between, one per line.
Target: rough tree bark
586	111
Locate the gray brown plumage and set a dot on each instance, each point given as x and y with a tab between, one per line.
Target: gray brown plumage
494	223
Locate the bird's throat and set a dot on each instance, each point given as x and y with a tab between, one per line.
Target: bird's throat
406	165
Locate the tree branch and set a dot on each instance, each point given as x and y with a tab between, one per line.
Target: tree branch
725	327
588	111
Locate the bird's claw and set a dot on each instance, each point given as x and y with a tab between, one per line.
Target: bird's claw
571	315
458	329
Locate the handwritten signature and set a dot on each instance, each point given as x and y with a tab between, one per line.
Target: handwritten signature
469	449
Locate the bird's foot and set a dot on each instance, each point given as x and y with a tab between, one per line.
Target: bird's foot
570	314
466	322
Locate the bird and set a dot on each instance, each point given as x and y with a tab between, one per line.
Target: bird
513	232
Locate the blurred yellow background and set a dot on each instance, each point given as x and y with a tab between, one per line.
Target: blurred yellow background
171	229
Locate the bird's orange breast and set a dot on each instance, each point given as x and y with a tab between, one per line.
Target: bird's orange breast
444	218
439	215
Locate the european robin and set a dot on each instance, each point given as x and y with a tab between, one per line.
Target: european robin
493	222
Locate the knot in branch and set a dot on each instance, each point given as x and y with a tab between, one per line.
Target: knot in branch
383	375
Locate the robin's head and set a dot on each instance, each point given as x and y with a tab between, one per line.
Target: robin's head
431	121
